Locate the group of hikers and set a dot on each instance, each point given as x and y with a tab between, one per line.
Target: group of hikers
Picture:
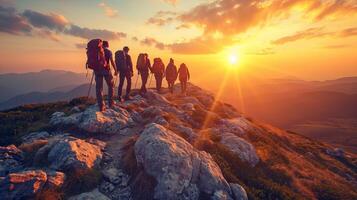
100	60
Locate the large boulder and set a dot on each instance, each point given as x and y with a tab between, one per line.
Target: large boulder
30	138
74	154
243	149
237	126
22	185
91	120
238	192
63	153
176	165
10	160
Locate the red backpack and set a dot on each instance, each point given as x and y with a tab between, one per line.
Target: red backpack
95	55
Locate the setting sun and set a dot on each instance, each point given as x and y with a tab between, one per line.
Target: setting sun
233	59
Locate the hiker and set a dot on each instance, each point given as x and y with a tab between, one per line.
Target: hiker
99	58
171	75
158	69
143	66
125	68
184	76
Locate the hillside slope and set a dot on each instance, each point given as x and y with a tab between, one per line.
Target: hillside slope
164	146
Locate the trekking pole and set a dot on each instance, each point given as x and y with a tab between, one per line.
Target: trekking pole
90	86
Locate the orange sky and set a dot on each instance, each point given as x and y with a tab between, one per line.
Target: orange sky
301	38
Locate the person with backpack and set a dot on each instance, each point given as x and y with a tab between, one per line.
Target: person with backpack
125	68
97	57
184	76
171	75
158	69
143	66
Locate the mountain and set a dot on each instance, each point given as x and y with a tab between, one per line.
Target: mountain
163	146
46	97
17	84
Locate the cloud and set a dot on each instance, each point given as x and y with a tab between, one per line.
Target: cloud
337	46
261	52
200	45
173	2
306	34
51	21
162	18
13	23
148	41
135	38
110	12
235	17
33	23
348	32
88	33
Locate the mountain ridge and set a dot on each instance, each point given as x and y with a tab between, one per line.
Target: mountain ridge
169	146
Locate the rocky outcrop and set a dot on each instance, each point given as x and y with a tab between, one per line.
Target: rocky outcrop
10	160
27	139
177	167
22	185
243	149
74	154
91	120
237	126
64	153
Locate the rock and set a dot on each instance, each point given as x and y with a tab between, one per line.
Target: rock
190	193
113	175
176	165
238	192
121	194
55	179
93	195
152	111
240	147
75	109
192	136
73	154
337	152
106	187
11	159
221	195
188	107
91	120
35	136
238	125
157	98
22	185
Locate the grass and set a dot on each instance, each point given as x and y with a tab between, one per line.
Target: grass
141	184
17	122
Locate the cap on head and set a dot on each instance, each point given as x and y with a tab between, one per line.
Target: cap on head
105	44
171	60
126	49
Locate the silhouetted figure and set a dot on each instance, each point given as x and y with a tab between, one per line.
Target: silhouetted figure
184	76
98	58
158	69
125	68
171	75
143	66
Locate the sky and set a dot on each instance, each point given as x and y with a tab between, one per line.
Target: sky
306	39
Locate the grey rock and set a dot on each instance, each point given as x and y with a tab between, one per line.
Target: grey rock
106	187
73	154
241	148
175	164
22	185
221	195
92	195
238	192
11	160
75	109
35	136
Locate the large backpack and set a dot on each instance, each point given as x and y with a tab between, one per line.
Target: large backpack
141	62
183	72
95	55
119	60
158	66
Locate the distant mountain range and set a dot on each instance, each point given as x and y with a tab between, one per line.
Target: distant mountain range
13	84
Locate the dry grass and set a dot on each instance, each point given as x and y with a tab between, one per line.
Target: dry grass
141	183
49	194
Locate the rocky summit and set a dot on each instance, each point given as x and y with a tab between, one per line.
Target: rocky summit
165	146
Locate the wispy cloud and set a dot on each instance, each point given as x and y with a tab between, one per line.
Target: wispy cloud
109	11
162	18
33	23
152	42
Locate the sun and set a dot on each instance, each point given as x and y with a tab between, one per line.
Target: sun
233	58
